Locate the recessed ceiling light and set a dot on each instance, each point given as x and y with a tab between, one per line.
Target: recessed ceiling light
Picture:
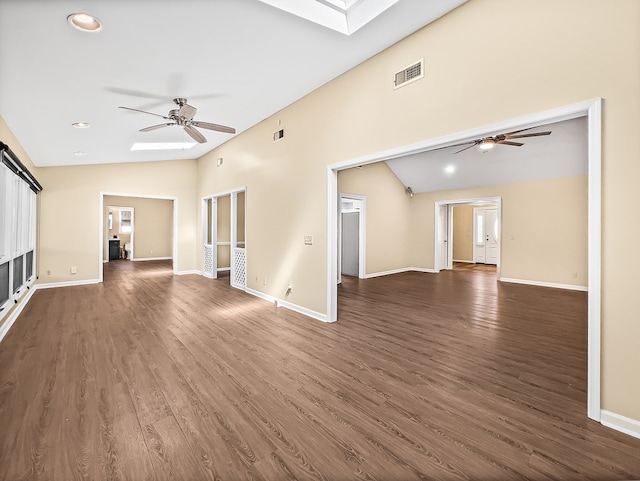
81	125
79	152
450	169
84	21
162	145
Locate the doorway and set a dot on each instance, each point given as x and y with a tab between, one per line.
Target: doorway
223	236
156	233
119	233
481	245
352	235
592	110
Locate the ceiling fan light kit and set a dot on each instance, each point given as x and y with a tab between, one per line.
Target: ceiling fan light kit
183	117
487	143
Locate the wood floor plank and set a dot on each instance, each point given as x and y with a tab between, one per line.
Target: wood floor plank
449	376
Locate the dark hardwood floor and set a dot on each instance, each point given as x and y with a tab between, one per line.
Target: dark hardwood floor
441	377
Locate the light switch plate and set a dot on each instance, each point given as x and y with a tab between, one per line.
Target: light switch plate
308	240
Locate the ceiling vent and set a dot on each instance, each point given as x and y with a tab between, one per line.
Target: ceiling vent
278	135
409	74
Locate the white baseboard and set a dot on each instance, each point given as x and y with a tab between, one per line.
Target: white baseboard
288	305
8	322
620	423
466	261
545	284
423	269
152	259
398	271
186	273
223	269
53	285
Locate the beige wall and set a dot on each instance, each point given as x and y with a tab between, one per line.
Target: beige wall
76	192
388	222
544	228
544	225
585	49
463	233
153	225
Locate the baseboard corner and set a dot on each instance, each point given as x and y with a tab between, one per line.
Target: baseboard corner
620	423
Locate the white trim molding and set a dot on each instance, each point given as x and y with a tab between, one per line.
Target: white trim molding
54	285
13	315
138	259
288	305
398	271
554	285
620	423
186	273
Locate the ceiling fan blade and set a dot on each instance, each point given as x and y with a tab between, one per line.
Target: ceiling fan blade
154	127
535	134
210	126
506	142
475	142
144	112
195	135
187	111
135	93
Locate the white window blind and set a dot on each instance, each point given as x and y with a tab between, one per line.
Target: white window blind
18	190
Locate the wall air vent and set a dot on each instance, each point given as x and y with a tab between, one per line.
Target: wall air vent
409	74
278	135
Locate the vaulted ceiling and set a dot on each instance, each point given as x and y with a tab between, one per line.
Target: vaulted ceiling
236	61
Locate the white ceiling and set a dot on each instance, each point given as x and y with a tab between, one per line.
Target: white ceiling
237	61
561	154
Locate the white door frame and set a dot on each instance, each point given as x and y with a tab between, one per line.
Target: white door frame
467	201
592	109
362	232
233	193
137	196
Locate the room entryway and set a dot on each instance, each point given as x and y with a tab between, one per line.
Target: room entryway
224	246
351	258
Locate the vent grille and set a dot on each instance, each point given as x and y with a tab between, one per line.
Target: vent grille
409	74
278	135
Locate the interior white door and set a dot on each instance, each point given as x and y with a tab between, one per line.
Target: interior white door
442	250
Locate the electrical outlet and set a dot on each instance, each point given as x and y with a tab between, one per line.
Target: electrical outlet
264	281
574	275
48	272
73	270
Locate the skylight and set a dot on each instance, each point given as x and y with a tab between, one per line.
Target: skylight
344	16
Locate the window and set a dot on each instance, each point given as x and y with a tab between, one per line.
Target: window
18	273
4	284
125	222
29	265
479	228
18	190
